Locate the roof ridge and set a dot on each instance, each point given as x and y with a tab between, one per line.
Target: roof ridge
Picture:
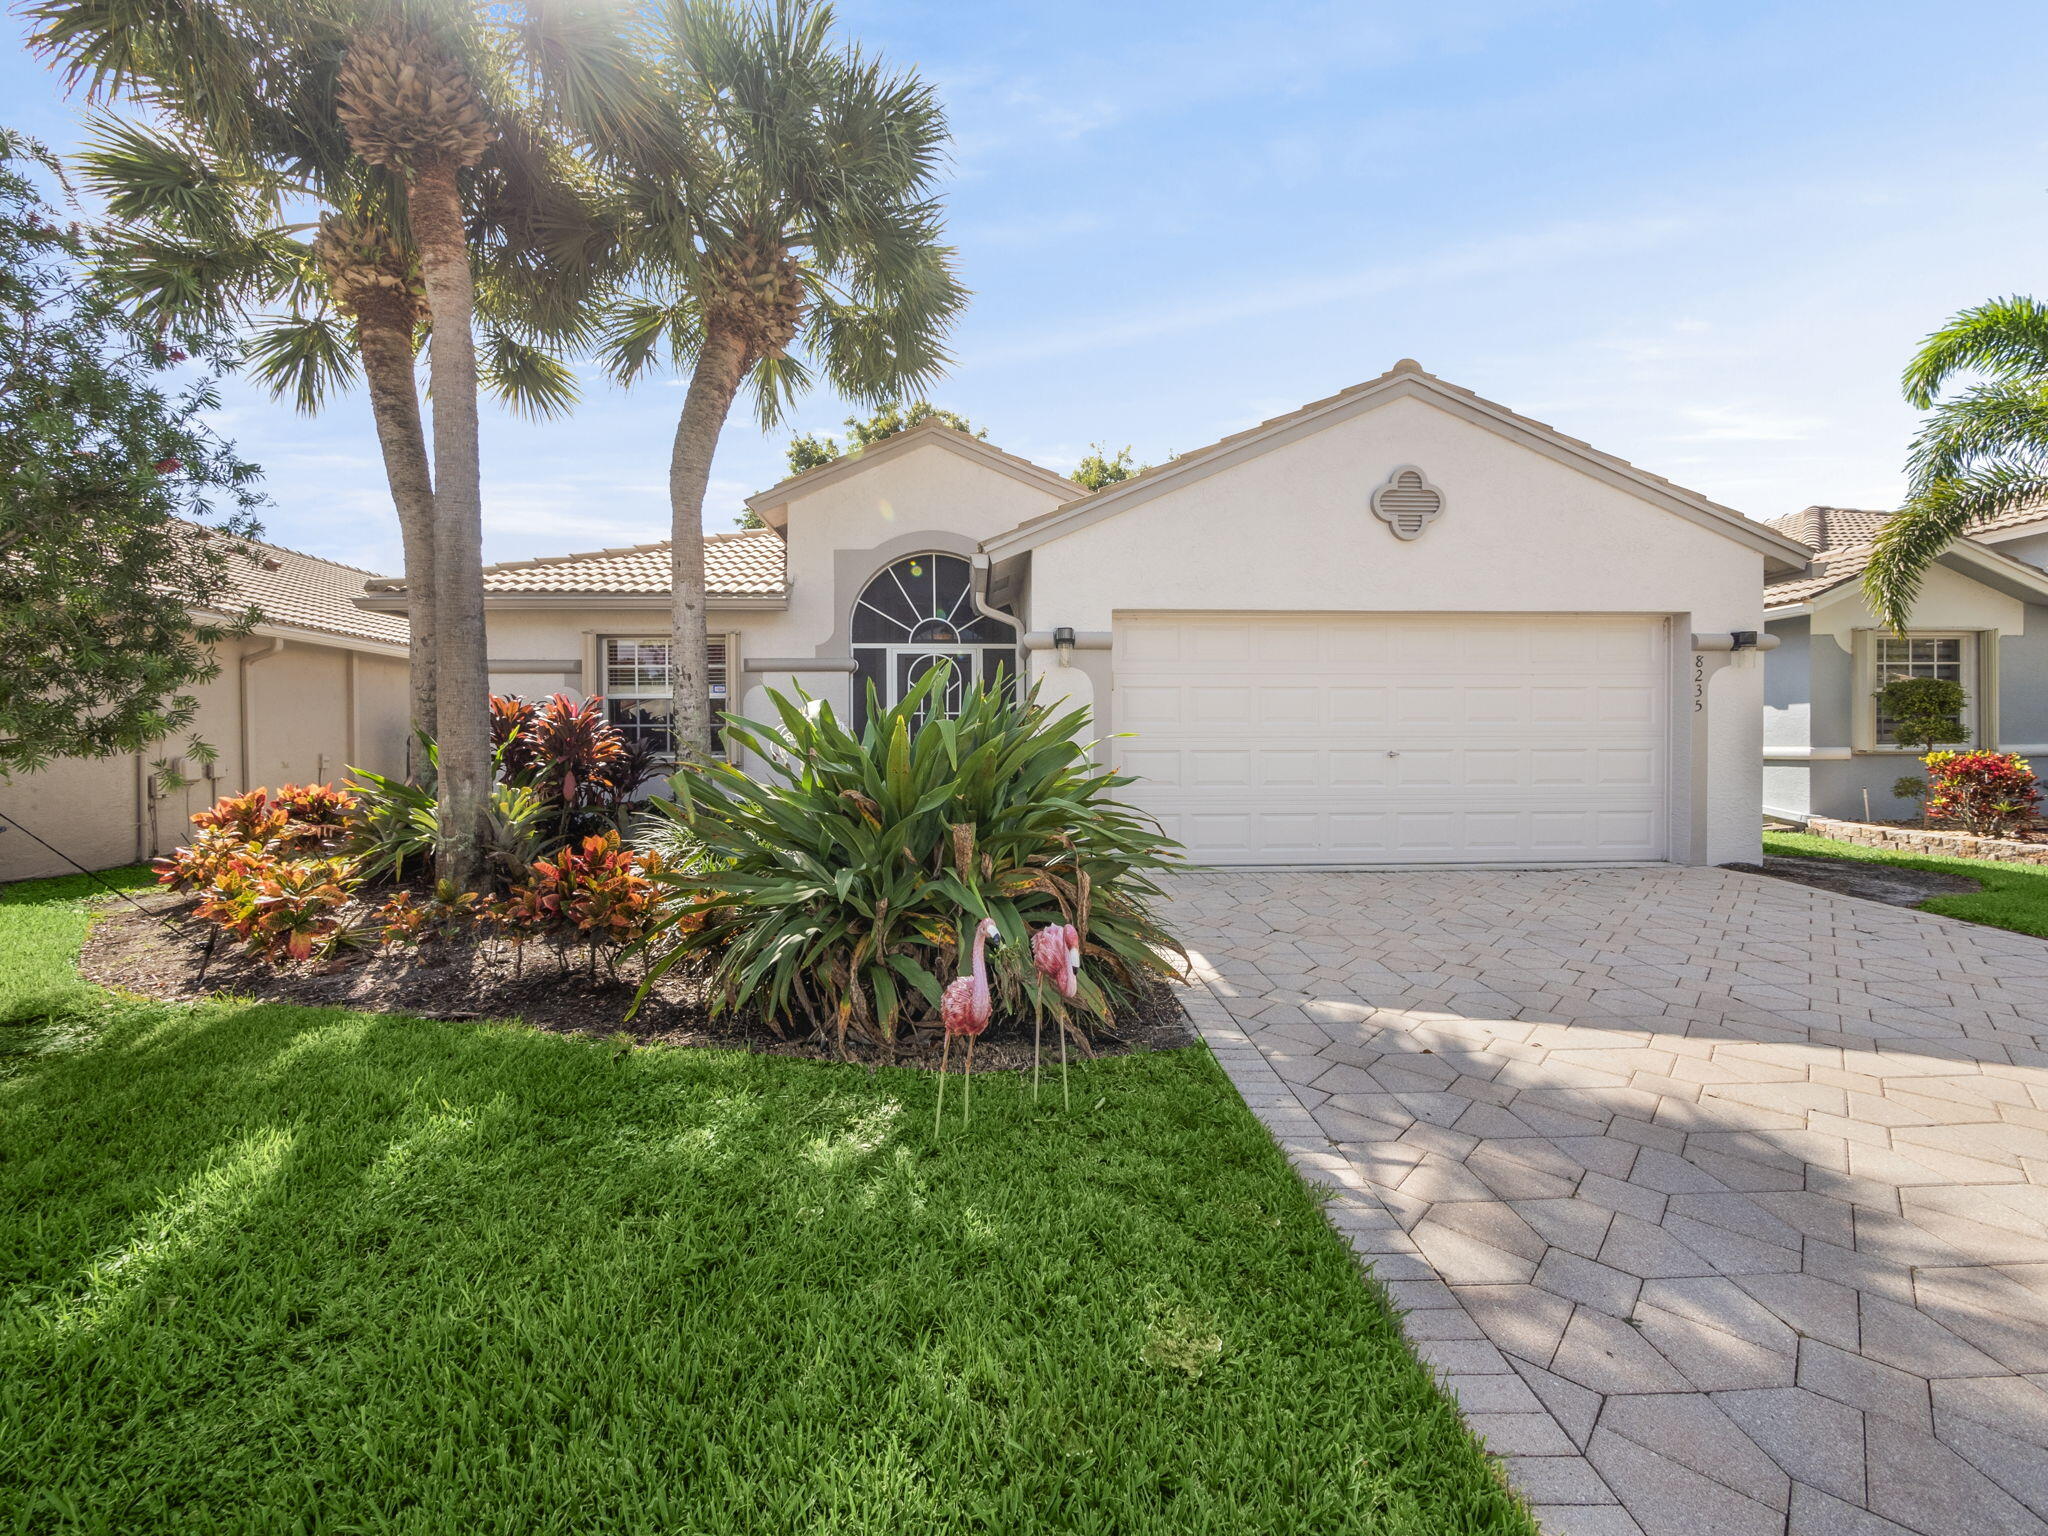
583	554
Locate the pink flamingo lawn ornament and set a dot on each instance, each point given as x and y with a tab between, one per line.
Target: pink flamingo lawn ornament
964	1009
1056	952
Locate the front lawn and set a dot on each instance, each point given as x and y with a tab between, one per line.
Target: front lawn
2015	896
270	1268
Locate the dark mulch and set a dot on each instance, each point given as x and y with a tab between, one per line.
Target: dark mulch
551	988
1873	882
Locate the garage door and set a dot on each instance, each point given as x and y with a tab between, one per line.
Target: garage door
1397	738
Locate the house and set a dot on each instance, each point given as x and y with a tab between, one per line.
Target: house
317	687
1981	620
1399	625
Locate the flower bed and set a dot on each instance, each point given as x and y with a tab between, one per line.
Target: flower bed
1929	840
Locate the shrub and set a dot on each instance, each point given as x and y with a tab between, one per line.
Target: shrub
397	824
597	890
441	915
283	909
317	816
835	896
250	818
1989	793
1924	711
212	851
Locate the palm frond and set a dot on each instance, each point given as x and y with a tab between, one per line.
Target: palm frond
1916	536
306	356
1989	422
530	380
2005	339
636	334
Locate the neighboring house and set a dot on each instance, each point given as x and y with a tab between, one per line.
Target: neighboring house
319	686
1400	625
1981	620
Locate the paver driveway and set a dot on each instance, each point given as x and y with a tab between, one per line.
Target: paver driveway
1721	1203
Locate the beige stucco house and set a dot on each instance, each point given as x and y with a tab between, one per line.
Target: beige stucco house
319	686
1400	625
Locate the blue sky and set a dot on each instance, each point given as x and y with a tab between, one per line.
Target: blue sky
1703	236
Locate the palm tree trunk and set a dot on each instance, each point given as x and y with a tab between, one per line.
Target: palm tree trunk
384	336
462	681
721	365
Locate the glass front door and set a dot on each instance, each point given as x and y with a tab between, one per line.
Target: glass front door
908	670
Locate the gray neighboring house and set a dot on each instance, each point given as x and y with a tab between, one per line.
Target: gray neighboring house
1981	620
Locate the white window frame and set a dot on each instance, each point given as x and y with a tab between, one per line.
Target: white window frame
1976	654
720	671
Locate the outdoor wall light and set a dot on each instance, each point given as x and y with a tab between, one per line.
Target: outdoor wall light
1742	640
1063	642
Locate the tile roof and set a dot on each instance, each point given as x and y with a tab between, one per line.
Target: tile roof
2015	519
301	591
746	563
1829	570
1830	527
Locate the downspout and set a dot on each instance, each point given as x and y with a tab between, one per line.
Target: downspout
242	666
977	589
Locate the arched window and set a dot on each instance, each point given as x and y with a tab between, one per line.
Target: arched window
918	612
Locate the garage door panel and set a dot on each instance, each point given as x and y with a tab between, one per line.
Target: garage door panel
1397	738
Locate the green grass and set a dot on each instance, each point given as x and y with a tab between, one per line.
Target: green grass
277	1269
2014	896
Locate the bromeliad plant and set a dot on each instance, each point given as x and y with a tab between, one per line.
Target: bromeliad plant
833	897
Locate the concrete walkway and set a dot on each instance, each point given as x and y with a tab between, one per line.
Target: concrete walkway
1720	1203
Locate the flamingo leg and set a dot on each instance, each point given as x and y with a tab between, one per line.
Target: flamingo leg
967	1086
944	1054
1066	1090
1037	1037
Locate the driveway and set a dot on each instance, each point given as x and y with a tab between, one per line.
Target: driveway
1721	1203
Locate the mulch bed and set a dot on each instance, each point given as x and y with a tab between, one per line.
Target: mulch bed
1873	882
551	988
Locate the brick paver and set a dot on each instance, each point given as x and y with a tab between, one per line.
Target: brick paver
1721	1203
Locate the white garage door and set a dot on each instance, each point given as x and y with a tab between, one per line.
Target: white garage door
1397	738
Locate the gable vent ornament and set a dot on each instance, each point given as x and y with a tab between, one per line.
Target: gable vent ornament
1408	503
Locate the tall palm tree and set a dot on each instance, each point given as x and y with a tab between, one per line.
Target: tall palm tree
776	188
1981	453
201	243
257	83
411	106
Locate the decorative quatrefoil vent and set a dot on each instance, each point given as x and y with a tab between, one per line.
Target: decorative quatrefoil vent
1408	503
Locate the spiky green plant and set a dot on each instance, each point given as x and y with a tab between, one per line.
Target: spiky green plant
835	897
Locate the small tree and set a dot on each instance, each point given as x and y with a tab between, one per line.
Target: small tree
113	584
1099	468
1926	712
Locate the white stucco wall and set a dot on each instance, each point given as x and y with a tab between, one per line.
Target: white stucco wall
925	495
1291	529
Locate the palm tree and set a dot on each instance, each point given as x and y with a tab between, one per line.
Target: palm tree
297	89
1983	452
200	245
410	107
777	190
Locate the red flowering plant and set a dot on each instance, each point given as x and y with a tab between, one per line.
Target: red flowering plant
1988	793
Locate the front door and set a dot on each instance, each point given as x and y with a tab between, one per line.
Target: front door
909	665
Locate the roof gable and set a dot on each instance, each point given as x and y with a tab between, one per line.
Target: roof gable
1405	380
1833	569
770	505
